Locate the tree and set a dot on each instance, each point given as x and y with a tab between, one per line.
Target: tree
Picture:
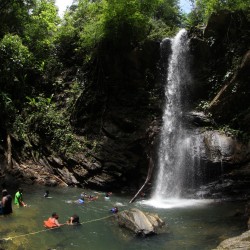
204	8
13	15
121	23
27	48
40	32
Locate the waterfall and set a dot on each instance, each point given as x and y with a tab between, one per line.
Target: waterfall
178	148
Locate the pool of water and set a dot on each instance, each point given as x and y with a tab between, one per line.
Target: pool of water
192	225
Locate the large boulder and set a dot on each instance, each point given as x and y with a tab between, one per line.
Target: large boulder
217	147
239	242
139	222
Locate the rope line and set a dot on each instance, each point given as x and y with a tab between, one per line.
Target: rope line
44	230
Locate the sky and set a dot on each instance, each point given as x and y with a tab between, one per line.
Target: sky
185	6
62	5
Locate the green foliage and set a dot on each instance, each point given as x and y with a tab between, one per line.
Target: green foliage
13	16
40	32
31	40
126	19
7	110
203	105
46	125
30	49
14	55
26	48
204	8
92	31
132	21
15	61
119	23
159	30
226	129
169	12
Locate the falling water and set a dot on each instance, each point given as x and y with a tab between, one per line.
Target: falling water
177	149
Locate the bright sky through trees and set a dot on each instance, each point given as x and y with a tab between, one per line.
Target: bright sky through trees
62	5
185	6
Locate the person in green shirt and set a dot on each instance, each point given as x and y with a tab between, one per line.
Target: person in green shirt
19	198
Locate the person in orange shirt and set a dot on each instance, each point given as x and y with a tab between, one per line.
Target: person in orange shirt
52	221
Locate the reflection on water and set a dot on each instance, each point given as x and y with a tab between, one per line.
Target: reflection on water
191	226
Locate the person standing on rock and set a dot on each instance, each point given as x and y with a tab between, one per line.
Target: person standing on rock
19	198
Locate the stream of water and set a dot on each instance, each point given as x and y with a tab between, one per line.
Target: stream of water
175	161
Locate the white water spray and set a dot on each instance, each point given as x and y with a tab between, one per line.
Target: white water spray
177	149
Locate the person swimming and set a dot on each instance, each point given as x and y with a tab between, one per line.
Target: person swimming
80	200
92	198
46	195
114	210
52	221
107	195
74	220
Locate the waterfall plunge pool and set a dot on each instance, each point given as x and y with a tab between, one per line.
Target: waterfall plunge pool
192	226
175	202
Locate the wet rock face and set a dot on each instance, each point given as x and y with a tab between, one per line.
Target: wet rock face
220	70
226	162
198	119
219	147
222	164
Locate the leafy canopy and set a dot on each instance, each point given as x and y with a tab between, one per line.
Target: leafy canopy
121	23
204	8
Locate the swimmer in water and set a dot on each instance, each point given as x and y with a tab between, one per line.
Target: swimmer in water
46	195
114	210
74	220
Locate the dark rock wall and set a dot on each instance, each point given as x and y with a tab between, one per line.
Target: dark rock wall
120	114
221	68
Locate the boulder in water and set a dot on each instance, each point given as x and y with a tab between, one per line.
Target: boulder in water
238	242
139	222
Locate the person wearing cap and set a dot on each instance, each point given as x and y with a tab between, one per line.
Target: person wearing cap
6	202
52	221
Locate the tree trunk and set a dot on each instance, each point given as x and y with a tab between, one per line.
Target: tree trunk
9	152
150	170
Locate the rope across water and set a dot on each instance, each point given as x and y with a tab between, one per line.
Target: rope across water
44	230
